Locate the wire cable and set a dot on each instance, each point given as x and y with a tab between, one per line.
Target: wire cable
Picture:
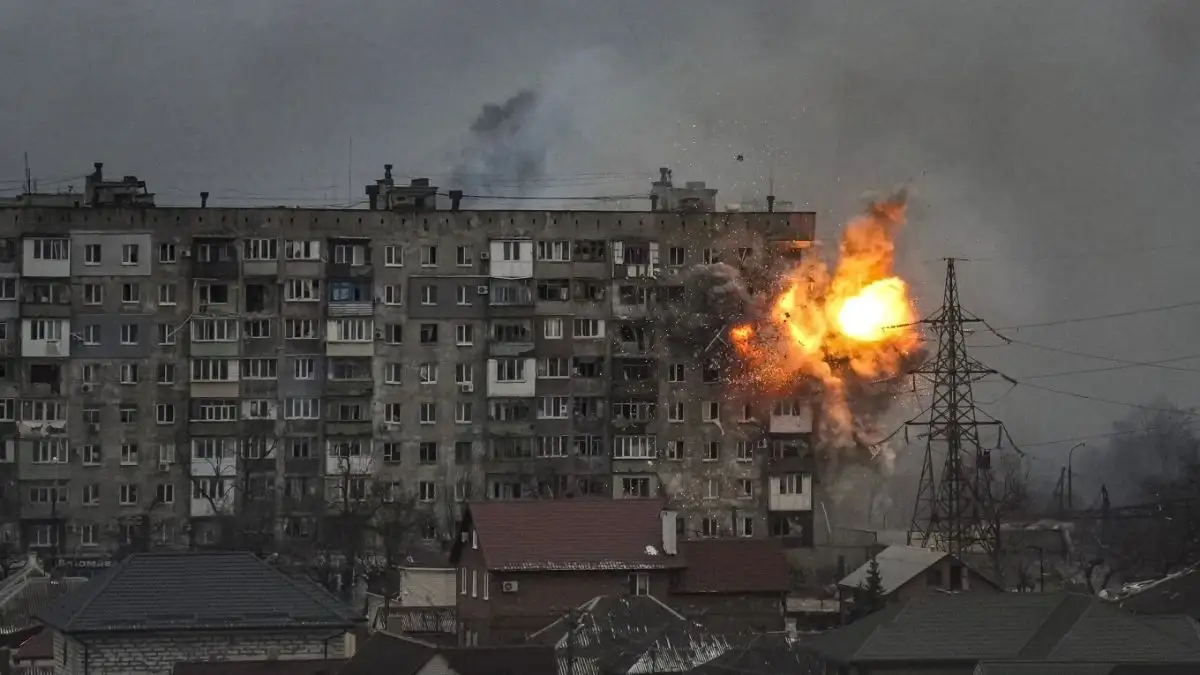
1101	317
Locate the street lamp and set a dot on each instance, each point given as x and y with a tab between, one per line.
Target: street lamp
1070	476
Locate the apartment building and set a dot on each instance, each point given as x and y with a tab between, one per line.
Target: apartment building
165	369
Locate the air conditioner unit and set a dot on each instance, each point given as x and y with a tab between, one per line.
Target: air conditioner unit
508	587
484	255
185	253
481	290
466	387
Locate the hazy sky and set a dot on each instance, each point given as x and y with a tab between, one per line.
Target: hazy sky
1057	142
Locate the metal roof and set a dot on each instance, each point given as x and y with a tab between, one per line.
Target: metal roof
897	566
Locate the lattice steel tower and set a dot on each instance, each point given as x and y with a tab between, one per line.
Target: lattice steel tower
954	512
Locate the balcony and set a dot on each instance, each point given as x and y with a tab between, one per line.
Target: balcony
215	258
351	298
512	337
349	258
46	299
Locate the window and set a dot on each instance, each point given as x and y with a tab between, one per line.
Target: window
129	373
429	295
303	409
91	455
130	254
710	411
260	409
167	254
214	410
510	250
709	256
393	413
392	452
745	488
639	583
427	373
428	412
260	369
260	249
635	487
553	446
712	451
8	409
166	373
554	407
588	329
427	453
8	288
212	370
464	256
464	412
676	256
709	527
554	367
302	290
90	415
309	249
49	452
214	330
48	330
675	412
91	494
51	249
427	491
352	330
791	484
349	254
93	294
745	451
464	295
91	254
127	413
464	335
429	333
554	251
129	494
428	256
48	494
393	373
166	453
674	450
712	488
393	294
131	293
129	454
393	333
675	372
257	329
212	294
464	373
300	448
393	256
167	294
552	329
164	493
300	329
510	370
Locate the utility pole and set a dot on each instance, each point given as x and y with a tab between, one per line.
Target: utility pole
954	512
28	176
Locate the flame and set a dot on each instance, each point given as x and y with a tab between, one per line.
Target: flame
826	324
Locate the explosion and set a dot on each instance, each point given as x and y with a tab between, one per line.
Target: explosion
851	326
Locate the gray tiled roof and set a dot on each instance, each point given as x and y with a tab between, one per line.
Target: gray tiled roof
160	591
1000	627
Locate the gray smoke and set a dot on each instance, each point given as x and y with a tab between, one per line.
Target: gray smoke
507	147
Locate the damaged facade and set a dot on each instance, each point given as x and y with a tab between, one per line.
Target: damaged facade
153	357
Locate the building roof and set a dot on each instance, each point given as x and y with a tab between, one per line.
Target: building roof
633	635
897	566
1177	593
173	591
734	566
266	667
387	654
763	653
970	627
37	647
569	534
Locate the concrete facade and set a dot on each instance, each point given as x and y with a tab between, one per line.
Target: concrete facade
461	354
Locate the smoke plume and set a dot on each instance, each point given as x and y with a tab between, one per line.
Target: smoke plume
506	147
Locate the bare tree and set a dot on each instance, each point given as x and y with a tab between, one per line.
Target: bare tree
238	485
1008	500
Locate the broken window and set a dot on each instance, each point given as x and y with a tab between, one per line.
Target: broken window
589	250
585	366
551	290
589	290
256	297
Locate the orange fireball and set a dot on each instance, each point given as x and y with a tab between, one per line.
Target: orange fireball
858	314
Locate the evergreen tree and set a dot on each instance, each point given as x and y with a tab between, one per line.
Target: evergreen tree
870	591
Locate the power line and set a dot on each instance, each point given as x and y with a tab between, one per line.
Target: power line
1099	317
1124	363
1098	399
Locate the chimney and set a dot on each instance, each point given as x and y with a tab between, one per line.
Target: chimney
387	171
664	175
99	175
373	196
770	203
203	200
669	546
455	199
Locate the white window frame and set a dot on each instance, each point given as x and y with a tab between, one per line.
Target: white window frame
302	289
130	255
352	330
393	294
552	328
303	249
510	370
393	256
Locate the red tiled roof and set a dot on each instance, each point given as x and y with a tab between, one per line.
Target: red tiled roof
734	566
541	534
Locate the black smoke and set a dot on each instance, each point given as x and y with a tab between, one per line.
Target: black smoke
506	149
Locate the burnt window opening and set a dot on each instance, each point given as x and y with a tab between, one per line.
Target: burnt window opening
671	294
711	372
42	373
588	367
590	250
256	297
586	289
633	295
554	290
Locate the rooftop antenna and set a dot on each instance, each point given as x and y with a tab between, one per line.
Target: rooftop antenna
28	176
